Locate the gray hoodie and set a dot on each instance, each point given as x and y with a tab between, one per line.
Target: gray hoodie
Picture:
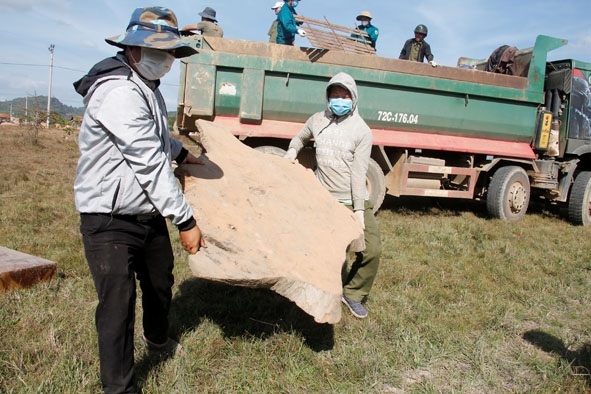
343	147
125	148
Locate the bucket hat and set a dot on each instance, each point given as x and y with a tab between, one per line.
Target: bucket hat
153	27
279	4
365	14
208	13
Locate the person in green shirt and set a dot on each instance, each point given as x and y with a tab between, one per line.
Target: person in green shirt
208	25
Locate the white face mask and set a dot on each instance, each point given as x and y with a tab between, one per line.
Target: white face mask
154	63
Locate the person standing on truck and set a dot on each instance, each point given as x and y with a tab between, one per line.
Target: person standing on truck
273	29
287	26
125	188
365	25
343	146
417	49
208	25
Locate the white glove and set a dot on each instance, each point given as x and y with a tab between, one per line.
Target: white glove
432	62
360	215
302	32
291	155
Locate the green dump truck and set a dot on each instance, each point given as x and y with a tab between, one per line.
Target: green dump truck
448	132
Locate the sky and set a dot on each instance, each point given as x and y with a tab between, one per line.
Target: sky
457	28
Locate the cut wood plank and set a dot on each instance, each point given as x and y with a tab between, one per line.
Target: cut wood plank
268	223
20	270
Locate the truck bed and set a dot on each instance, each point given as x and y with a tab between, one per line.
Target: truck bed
269	90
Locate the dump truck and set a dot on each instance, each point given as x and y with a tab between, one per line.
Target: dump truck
447	132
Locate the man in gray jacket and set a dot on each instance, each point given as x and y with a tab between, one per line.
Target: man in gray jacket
343	144
125	188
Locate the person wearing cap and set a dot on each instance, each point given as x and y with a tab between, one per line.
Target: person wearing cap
273	29
208	25
417	49
287	26
125	188
365	25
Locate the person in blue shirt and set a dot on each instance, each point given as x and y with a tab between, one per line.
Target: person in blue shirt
287	26
365	25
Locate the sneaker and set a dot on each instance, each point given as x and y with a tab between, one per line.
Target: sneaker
356	307
169	349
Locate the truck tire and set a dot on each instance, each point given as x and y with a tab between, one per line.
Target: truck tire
508	194
376	184
579	202
272	150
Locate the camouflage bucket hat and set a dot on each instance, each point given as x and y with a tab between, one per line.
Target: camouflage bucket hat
153	27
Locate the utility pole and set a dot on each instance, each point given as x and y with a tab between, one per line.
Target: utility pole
51	48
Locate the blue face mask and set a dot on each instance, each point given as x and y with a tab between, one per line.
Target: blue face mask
295	4
340	106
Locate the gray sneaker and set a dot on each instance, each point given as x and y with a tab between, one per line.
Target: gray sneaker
169	349
356	307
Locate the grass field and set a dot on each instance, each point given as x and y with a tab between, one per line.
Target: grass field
462	304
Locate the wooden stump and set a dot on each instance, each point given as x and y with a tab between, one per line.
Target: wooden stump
21	270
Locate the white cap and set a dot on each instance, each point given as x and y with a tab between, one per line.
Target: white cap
279	4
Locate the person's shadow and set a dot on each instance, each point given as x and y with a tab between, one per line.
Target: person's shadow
238	311
241	311
579	360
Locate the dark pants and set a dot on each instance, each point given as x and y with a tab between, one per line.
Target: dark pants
117	247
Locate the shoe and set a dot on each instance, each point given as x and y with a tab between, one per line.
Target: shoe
169	349
356	307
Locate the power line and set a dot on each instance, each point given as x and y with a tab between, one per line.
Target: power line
65	68
41	65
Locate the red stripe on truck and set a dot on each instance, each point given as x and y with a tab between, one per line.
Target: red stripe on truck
394	138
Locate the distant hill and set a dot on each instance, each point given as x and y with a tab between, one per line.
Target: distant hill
19	105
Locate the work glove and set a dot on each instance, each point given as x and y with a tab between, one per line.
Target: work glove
432	62
302	32
291	155
360	215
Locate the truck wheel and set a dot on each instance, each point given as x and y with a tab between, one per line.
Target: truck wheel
579	203
508	194
376	184
272	150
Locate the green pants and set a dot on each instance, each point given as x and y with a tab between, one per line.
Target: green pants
361	268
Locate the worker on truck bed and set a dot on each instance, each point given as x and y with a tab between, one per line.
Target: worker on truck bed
365	25
287	26
273	29
343	145
417	49
124	189
208	25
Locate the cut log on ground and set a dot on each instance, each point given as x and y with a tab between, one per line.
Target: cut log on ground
268	223
20	270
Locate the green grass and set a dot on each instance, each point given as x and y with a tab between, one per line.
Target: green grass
462	304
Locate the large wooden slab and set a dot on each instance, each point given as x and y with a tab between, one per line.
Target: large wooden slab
21	270
268	223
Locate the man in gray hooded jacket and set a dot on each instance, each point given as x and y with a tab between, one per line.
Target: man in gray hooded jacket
125	188
343	144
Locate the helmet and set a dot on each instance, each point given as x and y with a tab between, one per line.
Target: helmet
421	29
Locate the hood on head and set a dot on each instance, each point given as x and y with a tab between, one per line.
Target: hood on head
346	81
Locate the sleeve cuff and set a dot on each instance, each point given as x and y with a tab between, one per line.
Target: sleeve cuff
182	156
187	225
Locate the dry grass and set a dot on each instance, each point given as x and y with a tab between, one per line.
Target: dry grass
462	304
